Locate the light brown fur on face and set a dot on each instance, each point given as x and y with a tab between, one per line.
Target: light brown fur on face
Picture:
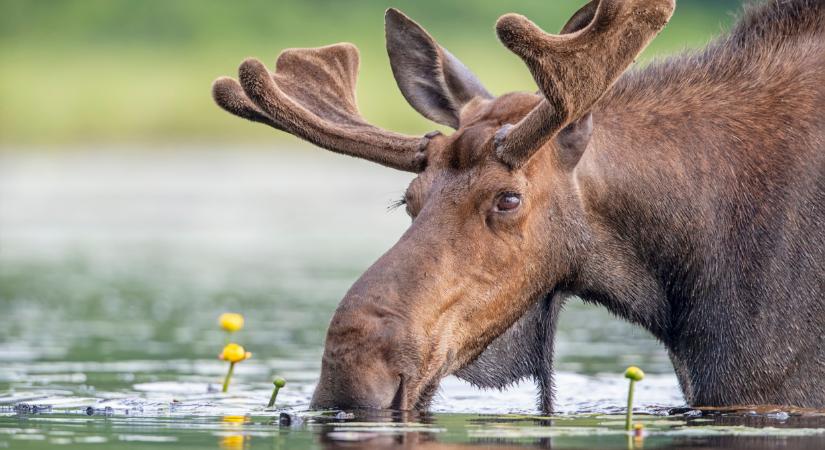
687	197
462	273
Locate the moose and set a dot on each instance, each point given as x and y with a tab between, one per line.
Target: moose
686	196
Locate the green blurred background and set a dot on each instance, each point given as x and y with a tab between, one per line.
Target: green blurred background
133	211
80	72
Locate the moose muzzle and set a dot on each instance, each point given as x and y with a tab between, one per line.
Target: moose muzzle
377	353
357	369
370	347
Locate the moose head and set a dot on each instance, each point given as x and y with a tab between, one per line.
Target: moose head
497	222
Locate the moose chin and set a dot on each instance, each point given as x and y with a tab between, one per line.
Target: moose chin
687	197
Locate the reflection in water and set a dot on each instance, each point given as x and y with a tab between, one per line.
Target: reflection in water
232	442
700	439
234	438
418	441
372	429
697	429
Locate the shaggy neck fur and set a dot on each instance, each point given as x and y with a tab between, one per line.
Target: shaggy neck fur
704	188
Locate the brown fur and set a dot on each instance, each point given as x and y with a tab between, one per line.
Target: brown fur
691	205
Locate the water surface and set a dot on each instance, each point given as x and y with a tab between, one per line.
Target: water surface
115	265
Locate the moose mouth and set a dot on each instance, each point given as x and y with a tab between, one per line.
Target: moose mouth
405	399
373	382
422	402
408	397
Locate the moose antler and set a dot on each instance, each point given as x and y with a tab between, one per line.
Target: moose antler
574	70
311	94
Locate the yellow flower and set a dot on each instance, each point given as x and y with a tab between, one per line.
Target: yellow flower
234	353
634	373
231	322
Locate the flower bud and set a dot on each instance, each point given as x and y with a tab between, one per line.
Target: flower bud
634	373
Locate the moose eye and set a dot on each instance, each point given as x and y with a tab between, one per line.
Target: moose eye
508	202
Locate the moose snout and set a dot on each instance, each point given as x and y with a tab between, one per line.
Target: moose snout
378	346
358	369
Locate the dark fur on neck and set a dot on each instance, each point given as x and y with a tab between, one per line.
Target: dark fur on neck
706	186
704	192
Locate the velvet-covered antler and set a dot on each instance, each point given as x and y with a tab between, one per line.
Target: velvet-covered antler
573	71
311	94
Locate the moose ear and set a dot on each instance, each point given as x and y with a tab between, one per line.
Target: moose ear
433	81
572	141
581	18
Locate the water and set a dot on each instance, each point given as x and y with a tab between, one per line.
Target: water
115	265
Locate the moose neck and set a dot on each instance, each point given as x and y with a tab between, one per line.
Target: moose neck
672	159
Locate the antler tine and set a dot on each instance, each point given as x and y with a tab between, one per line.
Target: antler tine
311	95
229	95
574	70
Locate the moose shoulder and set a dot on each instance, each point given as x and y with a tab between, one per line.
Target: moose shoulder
686	197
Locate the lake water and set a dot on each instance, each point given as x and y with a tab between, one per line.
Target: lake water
115	265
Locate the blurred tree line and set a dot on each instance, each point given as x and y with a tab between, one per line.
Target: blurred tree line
77	72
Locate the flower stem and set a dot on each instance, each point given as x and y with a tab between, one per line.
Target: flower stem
274	396
629	418
228	377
